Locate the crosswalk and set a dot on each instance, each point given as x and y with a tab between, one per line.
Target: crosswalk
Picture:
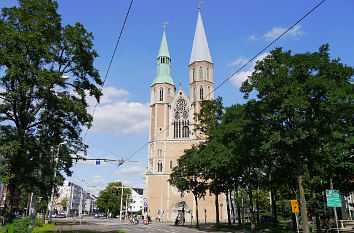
153	228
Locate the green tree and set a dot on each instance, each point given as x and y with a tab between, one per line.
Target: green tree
40	107
186	176
64	203
215	157
300	96
109	199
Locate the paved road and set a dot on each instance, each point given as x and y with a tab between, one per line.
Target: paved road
111	225
139	228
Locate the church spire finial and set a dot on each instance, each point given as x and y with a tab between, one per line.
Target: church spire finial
164	25
199	3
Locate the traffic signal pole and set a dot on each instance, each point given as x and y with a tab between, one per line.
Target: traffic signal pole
121	204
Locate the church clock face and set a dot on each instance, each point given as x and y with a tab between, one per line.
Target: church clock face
181	109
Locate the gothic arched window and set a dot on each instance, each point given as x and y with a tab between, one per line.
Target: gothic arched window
159	166
185	132
193	75
208	74
161	94
201	73
209	97
201	93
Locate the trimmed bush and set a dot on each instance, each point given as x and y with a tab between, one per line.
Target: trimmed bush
18	225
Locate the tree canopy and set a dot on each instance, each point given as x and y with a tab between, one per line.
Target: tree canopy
46	72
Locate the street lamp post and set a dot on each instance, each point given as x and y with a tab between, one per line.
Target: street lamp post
55	175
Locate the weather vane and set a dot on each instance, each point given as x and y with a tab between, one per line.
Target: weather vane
199	2
164	25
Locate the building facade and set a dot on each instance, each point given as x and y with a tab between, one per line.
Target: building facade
172	131
74	198
90	206
137	200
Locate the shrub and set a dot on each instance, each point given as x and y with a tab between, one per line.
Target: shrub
18	225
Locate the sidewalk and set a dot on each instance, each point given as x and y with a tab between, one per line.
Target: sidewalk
86	227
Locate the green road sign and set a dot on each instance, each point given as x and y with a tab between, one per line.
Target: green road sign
333	198
334	204
332	192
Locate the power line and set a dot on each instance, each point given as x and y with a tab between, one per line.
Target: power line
110	63
237	71
109	67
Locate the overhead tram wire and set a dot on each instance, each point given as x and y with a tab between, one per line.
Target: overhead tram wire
109	66
110	63
237	71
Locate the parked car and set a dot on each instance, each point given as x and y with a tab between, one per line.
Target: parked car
62	215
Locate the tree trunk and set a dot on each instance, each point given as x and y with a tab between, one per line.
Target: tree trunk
228	207
305	224
250	206
196	209
274	205
217	211
316	206
232	208
238	209
257	203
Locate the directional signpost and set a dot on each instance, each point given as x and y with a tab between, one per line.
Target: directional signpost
295	210
333	200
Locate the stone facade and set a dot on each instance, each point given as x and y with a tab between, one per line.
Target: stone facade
172	131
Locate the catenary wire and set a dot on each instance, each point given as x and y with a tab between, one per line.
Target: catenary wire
109	67
227	79
110	63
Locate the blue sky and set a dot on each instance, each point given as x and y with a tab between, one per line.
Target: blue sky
236	30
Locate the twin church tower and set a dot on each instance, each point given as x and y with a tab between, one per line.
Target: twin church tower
172	130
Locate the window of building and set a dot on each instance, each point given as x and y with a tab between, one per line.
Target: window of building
161	94
209	97
193	75
185	132
208	74
171	164
200	73
159	166
201	93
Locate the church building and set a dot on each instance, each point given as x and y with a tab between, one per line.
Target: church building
172	131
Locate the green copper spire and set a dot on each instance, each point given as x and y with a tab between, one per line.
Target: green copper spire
163	74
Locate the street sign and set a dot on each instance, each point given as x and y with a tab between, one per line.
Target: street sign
98	162
294	206
333	198
145	204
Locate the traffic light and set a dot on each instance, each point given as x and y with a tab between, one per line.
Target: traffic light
117	191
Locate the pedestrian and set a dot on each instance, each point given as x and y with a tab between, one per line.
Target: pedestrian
177	220
325	224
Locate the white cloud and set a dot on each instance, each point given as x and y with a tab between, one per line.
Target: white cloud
239	61
295	33
240	77
252	37
110	94
97	180
119	116
135	170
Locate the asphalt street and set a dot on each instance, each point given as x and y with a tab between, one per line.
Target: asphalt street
138	228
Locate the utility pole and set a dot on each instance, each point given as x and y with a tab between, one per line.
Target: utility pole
121	204
55	159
